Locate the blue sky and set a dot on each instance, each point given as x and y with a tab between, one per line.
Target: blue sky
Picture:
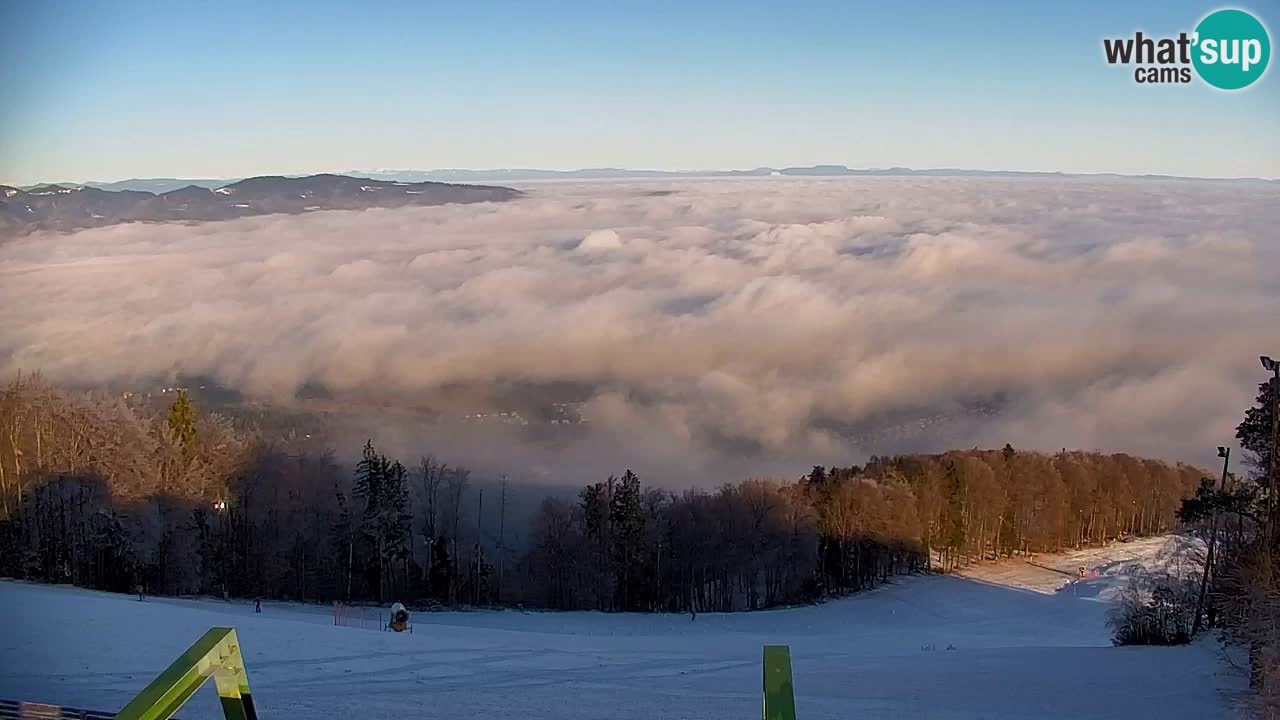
102	91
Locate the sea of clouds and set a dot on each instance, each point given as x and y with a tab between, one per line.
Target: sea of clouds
714	328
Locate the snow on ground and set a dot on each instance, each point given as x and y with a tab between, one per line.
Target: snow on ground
1020	651
1107	569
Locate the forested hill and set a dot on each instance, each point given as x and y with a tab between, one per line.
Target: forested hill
104	495
72	207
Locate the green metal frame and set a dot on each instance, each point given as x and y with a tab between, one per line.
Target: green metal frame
779	694
217	656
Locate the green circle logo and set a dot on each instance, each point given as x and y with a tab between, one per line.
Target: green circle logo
1232	49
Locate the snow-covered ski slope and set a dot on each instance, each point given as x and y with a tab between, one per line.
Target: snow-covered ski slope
1021	650
1107	569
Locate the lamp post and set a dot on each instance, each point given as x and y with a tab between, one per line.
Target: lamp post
220	507
1225	454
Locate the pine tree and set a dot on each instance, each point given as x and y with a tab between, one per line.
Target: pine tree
368	483
1254	433
394	519
370	472
594	501
386	523
954	526
626	518
182	421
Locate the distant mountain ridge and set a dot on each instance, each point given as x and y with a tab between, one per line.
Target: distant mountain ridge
163	185
530	174
74	207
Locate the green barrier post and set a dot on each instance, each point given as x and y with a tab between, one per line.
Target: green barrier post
779	695
215	655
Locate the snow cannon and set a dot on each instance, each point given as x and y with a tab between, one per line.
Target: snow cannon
399	618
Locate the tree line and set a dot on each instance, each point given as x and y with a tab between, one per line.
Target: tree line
761	543
1238	517
100	493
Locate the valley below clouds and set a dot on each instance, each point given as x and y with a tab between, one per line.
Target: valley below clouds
709	330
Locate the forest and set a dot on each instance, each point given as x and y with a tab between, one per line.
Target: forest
105	494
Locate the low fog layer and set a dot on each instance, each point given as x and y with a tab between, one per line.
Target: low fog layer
712	329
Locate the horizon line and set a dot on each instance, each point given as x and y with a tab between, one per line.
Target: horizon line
836	170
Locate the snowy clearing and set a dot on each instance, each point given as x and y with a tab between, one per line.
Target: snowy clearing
1021	650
